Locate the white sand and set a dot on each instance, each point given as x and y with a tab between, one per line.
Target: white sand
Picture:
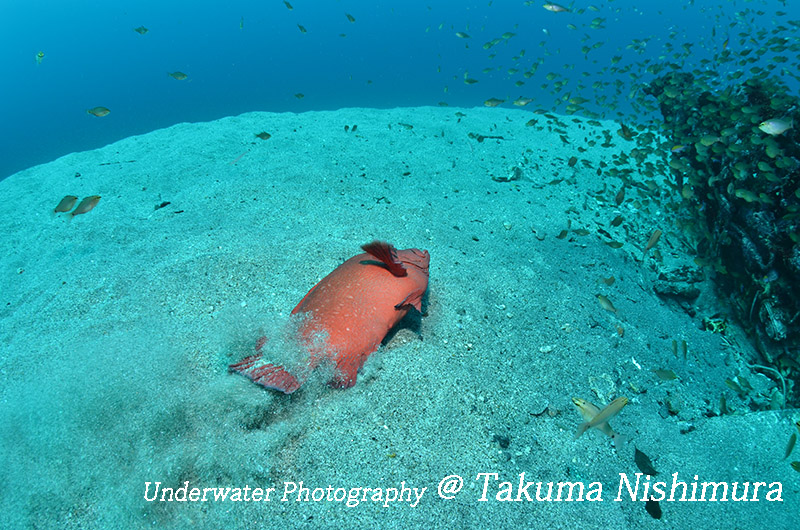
117	328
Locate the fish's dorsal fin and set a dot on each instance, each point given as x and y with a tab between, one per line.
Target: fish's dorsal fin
386	254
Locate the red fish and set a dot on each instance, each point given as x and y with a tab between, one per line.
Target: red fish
353	308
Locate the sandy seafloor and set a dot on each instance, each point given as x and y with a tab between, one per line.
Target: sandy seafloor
118	326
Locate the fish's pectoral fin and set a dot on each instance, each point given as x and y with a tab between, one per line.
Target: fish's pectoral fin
413	299
344	377
267	375
386	254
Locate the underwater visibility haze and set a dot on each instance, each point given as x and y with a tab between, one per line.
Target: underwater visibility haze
251	55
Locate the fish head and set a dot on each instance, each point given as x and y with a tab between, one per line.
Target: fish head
408	269
587	409
415	283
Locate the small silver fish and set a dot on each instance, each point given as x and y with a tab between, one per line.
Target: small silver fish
776	126
555	8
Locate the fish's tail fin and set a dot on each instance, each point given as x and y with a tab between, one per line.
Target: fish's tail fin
265	374
581	429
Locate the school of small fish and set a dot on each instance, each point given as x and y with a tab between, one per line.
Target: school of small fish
739	40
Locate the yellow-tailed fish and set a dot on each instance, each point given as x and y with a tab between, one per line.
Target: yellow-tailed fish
65	204
98	111
85	205
790	445
598	419
651	242
606	304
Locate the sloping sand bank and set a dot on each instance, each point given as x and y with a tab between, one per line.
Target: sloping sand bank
118	326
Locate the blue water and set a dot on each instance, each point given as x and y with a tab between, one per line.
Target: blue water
394	54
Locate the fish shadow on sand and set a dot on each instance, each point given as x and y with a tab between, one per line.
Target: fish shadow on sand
412	322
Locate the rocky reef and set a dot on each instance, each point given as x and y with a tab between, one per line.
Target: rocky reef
736	164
